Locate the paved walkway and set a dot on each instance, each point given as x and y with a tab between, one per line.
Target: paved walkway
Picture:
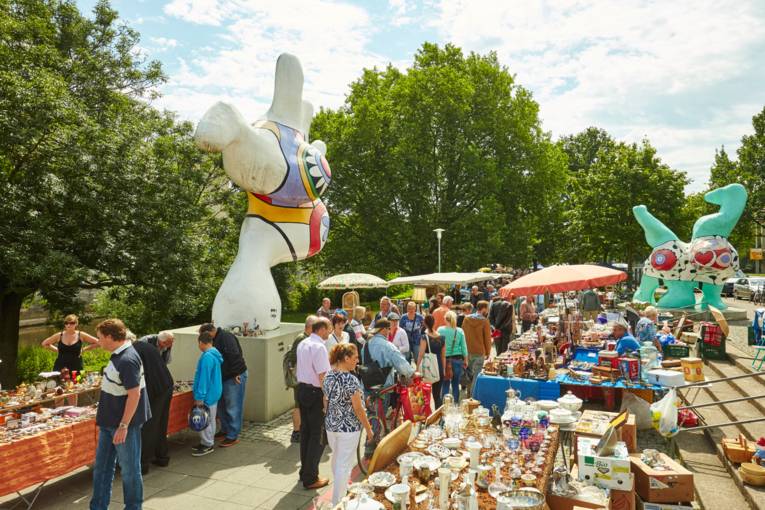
259	472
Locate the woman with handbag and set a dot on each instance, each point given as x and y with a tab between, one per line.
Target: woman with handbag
456	354
345	414
432	346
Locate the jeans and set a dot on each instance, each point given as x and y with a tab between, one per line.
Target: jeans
414	351
343	445
128	454
311	421
154	431
454	384
231	406
475	365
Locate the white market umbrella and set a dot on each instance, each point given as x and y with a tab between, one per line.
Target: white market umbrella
444	278
353	281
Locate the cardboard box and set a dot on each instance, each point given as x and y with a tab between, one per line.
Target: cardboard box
607	472
642	505
623	500
662	486
620	500
594	424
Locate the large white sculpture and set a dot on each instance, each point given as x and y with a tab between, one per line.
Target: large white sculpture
284	176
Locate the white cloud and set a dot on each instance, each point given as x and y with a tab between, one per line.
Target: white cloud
400	9
201	12
623	66
330	39
163	43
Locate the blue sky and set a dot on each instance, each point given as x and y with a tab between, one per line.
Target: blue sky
688	75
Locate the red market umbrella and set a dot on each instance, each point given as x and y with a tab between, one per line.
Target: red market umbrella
562	279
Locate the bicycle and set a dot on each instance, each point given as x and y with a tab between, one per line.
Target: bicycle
382	420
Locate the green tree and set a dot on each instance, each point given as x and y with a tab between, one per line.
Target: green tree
100	190
606	180
453	142
749	170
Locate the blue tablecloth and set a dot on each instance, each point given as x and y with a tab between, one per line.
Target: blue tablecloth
490	389
567	379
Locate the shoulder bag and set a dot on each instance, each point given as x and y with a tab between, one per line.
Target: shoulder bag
429	366
448	370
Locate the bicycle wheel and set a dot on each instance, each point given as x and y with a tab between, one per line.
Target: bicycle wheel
365	449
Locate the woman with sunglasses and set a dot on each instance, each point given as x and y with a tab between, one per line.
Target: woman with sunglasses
68	345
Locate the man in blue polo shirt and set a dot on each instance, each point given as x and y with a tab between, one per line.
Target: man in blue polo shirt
122	410
625	343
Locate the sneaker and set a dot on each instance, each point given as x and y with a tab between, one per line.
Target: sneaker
295	437
228	442
200	450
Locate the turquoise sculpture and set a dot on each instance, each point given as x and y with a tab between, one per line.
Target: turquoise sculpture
706	262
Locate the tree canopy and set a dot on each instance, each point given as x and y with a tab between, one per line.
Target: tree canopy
100	189
453	142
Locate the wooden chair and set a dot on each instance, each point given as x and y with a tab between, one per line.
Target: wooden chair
350	301
434	417
390	447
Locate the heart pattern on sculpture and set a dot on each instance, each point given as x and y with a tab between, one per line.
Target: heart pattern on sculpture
704	258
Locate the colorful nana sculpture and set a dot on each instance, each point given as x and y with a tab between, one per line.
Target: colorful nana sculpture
705	262
284	176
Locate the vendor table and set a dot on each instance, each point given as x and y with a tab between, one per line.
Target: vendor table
585	390
37	459
490	389
485	501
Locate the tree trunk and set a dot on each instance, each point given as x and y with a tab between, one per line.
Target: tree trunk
10	309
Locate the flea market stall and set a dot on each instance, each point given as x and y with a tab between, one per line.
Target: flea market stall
468	460
48	429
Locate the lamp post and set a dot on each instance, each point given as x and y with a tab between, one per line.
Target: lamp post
438	232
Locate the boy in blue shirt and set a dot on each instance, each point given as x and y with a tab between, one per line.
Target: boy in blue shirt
624	341
208	388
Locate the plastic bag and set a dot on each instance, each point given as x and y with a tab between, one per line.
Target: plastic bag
664	414
638	408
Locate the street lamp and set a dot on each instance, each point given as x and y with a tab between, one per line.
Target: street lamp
438	232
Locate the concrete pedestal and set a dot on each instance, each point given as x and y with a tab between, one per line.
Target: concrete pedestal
265	397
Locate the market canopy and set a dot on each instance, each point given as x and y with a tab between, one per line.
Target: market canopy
562	279
445	278
353	281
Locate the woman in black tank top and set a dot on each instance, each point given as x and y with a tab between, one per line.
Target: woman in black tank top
68	344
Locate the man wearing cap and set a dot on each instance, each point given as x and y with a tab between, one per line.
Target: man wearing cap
385	353
624	341
397	335
312	365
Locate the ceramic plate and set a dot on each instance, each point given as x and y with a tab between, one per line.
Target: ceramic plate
452	442
382	479
389	494
439	450
410	456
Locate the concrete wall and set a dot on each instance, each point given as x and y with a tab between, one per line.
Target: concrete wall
265	397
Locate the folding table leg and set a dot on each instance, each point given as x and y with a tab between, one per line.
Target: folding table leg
29	502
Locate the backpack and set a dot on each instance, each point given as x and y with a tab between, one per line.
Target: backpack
370	372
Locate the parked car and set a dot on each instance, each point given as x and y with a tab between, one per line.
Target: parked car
727	289
745	288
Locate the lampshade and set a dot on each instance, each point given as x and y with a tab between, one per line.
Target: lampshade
419	294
